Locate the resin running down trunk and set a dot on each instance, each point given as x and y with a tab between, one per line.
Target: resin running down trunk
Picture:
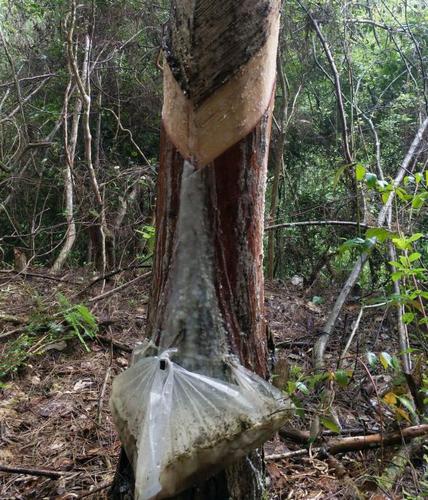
207	290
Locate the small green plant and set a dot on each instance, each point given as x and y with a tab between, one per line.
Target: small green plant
301	384
396	399
80	319
148	233
45	328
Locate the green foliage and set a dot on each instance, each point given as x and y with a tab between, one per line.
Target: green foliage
46	327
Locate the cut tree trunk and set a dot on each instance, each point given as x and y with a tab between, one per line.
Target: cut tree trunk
207	291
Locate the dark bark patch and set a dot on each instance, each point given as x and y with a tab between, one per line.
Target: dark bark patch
208	41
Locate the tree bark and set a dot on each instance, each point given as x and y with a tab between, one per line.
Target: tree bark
207	291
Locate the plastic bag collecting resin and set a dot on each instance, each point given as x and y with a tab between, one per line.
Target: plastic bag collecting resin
178	426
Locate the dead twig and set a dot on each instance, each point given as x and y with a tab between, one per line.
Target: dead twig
109	293
16	320
113	273
318	223
114	343
28	274
290	454
96	490
102	394
11	332
53	474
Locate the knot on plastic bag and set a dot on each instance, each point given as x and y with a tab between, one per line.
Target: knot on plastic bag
178	426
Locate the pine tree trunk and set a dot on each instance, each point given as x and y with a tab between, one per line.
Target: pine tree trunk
207	291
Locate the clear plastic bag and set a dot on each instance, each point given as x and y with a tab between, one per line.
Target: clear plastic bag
178	427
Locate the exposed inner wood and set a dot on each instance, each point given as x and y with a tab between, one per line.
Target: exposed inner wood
207	42
203	132
236	236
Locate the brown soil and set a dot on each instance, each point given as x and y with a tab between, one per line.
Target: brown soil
53	414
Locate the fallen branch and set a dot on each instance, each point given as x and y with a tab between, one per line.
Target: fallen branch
118	288
398	465
301	436
114	343
290	454
354	443
113	273
355	328
96	490
27	274
375	440
319	223
16	320
53	474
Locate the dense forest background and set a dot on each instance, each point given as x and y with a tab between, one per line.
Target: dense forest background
378	52
80	118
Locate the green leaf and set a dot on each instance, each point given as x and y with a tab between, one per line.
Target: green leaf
291	387
302	387
401	243
395	362
401	193
407	404
385	359
341	378
363	245
414	256
415	237
338	175
87	316
360	172
330	425
404	261
419	200
379	233
396	276
408	317
385	197
370	179
372	358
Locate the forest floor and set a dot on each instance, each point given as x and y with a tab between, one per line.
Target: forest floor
54	412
